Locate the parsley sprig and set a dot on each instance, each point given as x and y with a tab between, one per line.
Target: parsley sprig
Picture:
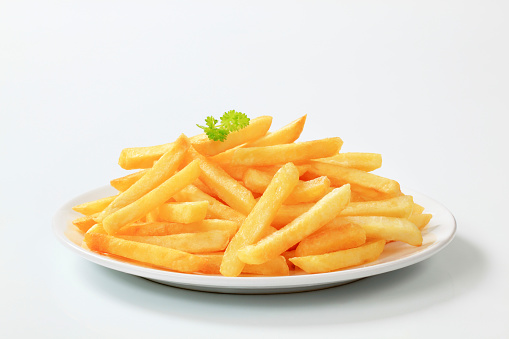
231	121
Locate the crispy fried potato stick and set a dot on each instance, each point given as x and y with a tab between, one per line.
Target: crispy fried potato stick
123	183
169	228
387	228
340	175
200	242
93	207
329	262
284	135
280	154
362	161
151	254
331	240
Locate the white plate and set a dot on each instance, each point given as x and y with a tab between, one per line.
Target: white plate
396	255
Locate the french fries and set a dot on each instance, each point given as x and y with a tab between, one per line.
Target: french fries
258	204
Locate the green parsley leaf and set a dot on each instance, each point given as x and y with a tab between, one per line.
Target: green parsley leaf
231	121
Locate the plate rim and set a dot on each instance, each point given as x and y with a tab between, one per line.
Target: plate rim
62	221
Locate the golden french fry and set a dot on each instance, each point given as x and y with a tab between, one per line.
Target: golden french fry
284	135
398	207
226	188
260	218
93	207
216	209
387	228
320	214
340	175
163	169
146	253
362	161
275	267
155	198
420	220
84	223
169	228
144	157
280	154
183	212
256	129
334	261
331	240
123	183
200	242
418	209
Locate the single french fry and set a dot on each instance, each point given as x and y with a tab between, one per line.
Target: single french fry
284	135
275	267
123	183
256	129
155	198
97	228
362	161
93	207
146	253
226	188
334	261
163	169
84	223
398	207
320	214
169	228
340	175
418	209
387	228
216	209
331	240
280	154
200	242
183	212
260	218
420	220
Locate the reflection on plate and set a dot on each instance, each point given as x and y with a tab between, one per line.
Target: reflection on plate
438	234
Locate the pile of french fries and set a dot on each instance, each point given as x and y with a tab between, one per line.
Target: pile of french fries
258	203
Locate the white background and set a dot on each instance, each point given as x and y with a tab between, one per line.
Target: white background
425	83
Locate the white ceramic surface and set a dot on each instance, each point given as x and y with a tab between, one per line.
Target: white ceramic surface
438	234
